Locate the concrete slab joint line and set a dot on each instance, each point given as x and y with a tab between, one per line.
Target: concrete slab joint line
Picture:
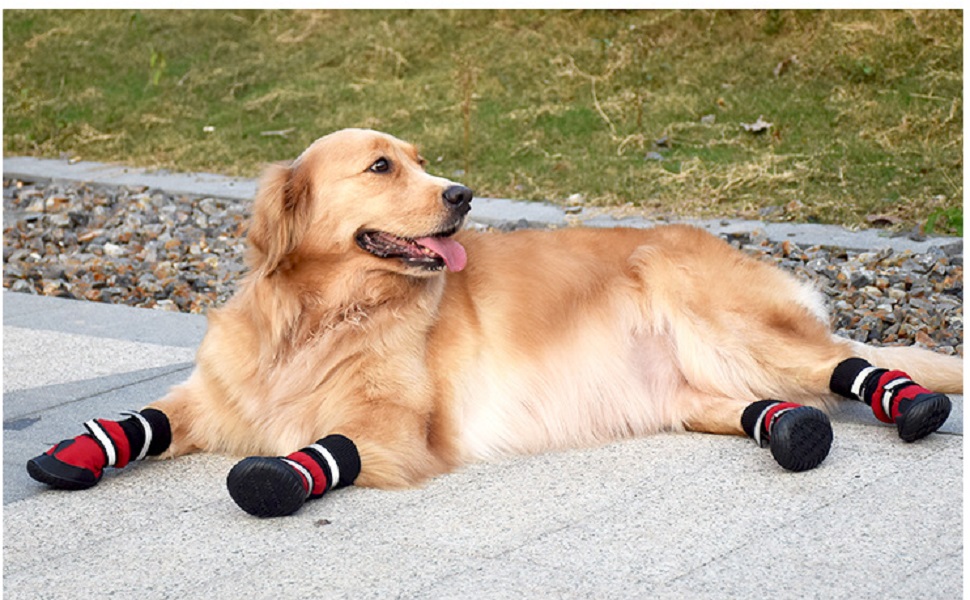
496	212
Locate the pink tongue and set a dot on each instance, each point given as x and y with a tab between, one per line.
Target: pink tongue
451	251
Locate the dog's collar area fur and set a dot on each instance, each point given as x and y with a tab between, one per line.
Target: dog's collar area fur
430	253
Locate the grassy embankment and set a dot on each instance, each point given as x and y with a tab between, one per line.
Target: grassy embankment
866	107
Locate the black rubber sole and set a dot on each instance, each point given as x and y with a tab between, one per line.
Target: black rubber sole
47	469
266	487
800	438
926	414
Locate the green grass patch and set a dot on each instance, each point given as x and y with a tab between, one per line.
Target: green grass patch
866	107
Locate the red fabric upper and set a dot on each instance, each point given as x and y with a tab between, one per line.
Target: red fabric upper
773	411
907	392
82	452
320	483
117	435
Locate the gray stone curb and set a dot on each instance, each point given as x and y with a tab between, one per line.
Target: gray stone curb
496	212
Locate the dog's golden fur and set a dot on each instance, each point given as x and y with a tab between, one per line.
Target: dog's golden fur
547	339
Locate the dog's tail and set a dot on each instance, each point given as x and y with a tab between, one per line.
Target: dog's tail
937	372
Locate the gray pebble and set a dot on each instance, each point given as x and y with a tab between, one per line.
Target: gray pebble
147	248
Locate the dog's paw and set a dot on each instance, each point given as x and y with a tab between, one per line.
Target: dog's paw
801	438
266	487
922	415
50	469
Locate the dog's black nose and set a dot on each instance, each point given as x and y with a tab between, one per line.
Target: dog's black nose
458	197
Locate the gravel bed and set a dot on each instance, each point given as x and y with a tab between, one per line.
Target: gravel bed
143	247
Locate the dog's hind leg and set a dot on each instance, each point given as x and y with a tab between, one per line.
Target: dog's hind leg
817	368
798	436
893	396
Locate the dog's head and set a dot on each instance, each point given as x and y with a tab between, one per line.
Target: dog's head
358	193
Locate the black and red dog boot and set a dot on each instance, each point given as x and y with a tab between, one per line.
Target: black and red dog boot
278	486
893	396
79	463
799	437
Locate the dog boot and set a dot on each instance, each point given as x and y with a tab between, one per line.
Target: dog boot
79	463
893	397
277	486
799	436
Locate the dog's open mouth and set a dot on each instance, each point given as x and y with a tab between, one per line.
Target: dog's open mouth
431	253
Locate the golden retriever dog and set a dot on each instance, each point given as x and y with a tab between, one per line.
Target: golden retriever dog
375	342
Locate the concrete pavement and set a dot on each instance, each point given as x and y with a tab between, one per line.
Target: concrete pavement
668	516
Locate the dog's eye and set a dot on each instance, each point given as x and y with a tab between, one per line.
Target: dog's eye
381	165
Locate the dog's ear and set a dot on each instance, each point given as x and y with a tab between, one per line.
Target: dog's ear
281	214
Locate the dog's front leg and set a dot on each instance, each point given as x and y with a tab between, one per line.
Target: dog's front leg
79	463
267	486
393	446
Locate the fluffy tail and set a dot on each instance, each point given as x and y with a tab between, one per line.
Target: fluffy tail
937	372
